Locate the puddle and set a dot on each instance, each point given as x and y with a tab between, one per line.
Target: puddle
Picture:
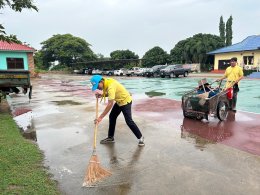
24	120
58	96
154	93
26	125
66	102
211	132
31	134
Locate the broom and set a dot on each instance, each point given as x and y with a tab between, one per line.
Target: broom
94	171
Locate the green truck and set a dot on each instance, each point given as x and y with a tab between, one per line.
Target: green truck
11	81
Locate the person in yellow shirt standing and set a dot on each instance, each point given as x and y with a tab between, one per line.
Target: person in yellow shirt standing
119	100
234	74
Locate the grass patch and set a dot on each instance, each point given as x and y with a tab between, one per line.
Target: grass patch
21	168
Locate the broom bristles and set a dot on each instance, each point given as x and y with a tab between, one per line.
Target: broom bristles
94	172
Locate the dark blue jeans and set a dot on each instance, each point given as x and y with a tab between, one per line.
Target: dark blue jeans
127	112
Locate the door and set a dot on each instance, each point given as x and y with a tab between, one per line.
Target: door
223	64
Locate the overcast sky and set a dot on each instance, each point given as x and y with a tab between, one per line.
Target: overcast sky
137	25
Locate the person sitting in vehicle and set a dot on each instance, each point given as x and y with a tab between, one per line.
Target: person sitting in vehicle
205	90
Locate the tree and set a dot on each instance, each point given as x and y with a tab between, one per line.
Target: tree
177	53
38	61
122	55
66	49
194	49
17	6
229	32
222	29
14	39
155	56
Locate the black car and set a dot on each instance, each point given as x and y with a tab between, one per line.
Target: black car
87	71
154	71
174	71
108	72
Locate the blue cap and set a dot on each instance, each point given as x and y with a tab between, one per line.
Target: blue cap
94	81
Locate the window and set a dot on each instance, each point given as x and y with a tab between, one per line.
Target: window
15	63
248	60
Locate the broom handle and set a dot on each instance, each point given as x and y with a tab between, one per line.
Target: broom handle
96	125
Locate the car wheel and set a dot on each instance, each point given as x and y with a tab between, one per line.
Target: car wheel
171	75
185	74
222	110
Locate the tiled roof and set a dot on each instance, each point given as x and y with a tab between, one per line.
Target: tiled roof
248	44
5	46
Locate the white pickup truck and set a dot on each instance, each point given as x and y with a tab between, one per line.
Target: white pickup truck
120	72
133	71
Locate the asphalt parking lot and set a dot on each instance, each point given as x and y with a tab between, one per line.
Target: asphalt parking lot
181	156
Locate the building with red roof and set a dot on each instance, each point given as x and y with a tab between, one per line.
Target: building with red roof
15	56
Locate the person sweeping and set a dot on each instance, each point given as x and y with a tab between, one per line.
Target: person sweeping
119	100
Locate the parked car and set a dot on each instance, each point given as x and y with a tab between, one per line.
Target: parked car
76	71
87	71
96	71
154	71
120	72
141	71
108	72
174	70
132	71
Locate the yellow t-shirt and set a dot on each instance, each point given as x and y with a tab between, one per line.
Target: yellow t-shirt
116	91
233	73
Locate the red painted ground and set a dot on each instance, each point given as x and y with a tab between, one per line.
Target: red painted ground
20	111
240	130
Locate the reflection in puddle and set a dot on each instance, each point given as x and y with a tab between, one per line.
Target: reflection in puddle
67	102
30	135
154	93
20	111
26	125
205	133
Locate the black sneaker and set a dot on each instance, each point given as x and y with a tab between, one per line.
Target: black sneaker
141	141
107	140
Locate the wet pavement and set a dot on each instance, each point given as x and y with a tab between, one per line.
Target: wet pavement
181	156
